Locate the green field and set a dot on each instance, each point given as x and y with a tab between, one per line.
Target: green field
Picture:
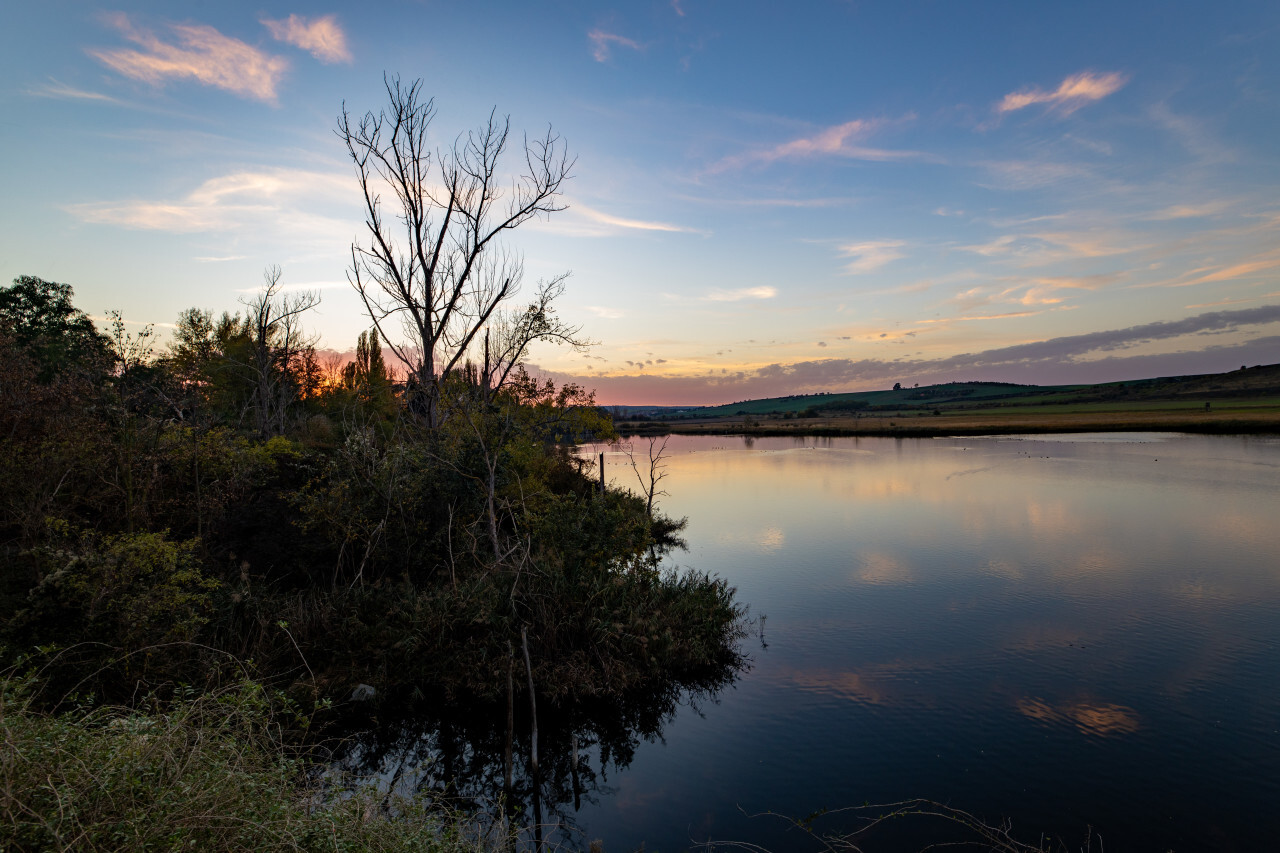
1252	388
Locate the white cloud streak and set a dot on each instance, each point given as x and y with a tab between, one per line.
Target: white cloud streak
837	141
741	294
602	42
870	256
596	223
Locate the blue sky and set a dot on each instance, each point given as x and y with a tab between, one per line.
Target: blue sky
768	198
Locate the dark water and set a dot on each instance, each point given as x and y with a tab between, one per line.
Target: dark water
1066	632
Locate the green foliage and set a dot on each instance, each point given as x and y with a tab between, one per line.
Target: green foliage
56	335
396	550
129	590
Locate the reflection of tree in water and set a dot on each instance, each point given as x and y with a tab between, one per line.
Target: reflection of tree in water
457	751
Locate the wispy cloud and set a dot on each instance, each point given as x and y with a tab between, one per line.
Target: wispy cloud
201	53
602	311
1194	135
838	141
602	44
870	255
586	221
741	294
833	201
56	89
1222	302
1189	211
236	202
1047	247
1030	174
1072	93
1112	355
322	37
218	260
1251	266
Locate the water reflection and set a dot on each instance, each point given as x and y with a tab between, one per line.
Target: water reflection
464	754
1091	719
1060	630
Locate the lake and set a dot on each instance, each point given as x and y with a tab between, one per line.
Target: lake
1075	633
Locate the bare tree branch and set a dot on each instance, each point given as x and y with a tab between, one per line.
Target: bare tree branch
443	274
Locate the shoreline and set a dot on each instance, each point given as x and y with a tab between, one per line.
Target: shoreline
967	424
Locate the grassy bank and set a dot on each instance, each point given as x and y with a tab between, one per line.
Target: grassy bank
1250	417
207	772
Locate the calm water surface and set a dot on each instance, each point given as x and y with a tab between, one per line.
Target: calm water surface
1065	631
1068	631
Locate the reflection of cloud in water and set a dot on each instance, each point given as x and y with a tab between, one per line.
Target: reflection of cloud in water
1051	518
883	569
845	685
1200	591
1098	720
771	538
1003	569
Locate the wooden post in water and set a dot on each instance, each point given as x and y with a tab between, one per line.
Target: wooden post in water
601	475
511	718
533	740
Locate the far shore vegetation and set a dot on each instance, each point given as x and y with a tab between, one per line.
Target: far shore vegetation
1238	402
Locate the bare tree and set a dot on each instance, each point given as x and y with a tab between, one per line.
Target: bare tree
441	273
656	471
280	347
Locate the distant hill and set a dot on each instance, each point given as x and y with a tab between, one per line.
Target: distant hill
1262	381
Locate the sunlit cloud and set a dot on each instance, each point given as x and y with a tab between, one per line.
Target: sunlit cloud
1219	303
277	199
871	255
1189	211
613	223
201	53
1072	93
838	141
602	42
1248	268
1046	247
773	202
56	89
741	294
606	313
322	37
1113	355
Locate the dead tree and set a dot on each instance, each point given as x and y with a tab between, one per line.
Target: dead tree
273	322
438	268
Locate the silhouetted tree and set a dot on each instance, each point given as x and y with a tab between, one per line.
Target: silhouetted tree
445	276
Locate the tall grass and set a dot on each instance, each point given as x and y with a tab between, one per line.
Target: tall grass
203	772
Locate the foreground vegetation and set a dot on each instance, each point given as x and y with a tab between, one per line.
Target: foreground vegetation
168	515
207	772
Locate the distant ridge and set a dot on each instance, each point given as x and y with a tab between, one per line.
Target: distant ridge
1260	381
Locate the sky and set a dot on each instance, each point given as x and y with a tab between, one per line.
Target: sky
767	198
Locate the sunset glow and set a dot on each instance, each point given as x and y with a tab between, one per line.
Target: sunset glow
763	203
